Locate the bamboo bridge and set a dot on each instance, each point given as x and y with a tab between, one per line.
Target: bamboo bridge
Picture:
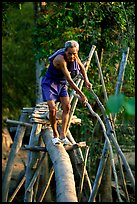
63	158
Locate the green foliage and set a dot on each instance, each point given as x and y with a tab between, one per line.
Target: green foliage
116	102
18	65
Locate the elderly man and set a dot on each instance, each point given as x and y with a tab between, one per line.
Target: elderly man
63	64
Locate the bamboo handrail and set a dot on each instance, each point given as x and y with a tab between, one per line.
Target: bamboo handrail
109	144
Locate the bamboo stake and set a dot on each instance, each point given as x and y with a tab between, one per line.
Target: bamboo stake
45	188
33	180
32	160
35	188
83	174
121	75
14	150
99	174
101	75
17	189
118	89
79	160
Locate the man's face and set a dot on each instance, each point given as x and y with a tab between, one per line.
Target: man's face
71	54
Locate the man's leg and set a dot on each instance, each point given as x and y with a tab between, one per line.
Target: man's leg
52	117
65	115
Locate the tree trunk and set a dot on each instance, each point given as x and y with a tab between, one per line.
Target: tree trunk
65	184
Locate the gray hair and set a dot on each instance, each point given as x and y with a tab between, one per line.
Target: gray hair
71	43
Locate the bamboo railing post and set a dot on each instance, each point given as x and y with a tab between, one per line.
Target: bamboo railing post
14	150
45	188
32	160
17	189
121	75
101	75
33	180
99	173
86	64
117	91
83	173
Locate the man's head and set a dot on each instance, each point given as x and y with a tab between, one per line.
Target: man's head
71	50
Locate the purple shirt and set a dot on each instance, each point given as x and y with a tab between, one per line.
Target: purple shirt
57	75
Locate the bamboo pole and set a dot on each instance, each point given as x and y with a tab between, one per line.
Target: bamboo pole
17	189
86	64
67	148
99	173
34	148
101	75
45	188
121	75
32	160
110	148
109	144
122	71
19	123
113	117
33	180
14	150
110	133
83	173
